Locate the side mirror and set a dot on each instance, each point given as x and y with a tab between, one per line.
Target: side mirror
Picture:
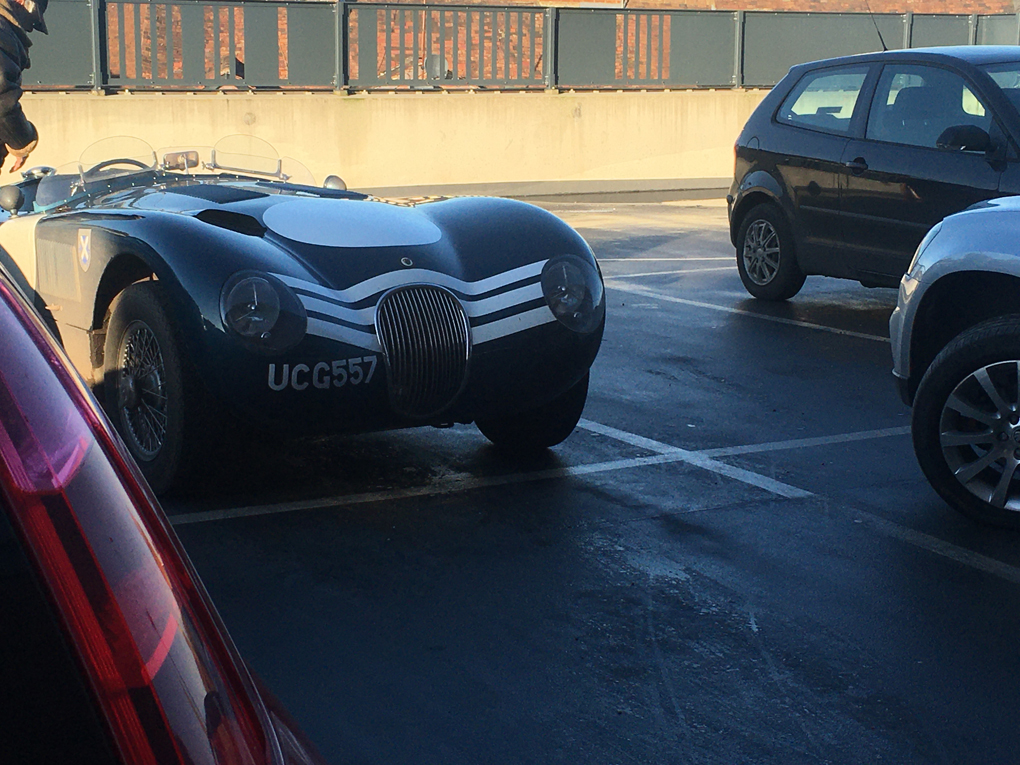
11	199
965	138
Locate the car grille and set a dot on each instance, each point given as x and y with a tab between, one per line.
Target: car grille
426	343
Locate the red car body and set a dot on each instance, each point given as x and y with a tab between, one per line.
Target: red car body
110	647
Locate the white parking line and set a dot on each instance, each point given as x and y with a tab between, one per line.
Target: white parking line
623	287
800	443
942	548
889	528
449	485
665	454
657	260
698	460
610	277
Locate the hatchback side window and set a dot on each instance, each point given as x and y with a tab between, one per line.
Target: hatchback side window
915	105
1007	77
824	100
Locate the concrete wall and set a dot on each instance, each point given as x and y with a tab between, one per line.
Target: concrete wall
509	143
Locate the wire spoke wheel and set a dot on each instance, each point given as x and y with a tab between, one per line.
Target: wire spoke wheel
152	393
142	394
979	433
761	252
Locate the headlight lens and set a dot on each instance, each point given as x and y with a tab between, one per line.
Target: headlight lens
262	312
574	293
252	307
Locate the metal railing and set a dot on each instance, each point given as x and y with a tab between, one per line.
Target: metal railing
320	44
431	46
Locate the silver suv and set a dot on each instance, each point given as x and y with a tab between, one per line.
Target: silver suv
956	351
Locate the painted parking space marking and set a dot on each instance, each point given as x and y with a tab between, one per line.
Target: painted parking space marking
658	260
449	485
611	283
940	547
698	460
664	454
611	277
801	443
886	527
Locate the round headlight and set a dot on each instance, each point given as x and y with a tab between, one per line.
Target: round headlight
262	312
573	291
252	307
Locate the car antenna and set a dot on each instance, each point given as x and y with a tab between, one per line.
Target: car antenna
875	22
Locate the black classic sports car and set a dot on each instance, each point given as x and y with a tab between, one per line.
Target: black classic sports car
188	286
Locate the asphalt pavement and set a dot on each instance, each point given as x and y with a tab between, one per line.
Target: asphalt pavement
734	559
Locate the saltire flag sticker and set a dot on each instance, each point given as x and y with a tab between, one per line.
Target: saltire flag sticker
84	248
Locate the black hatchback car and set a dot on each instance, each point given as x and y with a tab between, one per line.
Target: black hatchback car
847	162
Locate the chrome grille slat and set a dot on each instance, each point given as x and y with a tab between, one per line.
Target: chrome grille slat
426	344
424	381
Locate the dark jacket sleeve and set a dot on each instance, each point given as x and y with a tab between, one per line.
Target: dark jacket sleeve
15	130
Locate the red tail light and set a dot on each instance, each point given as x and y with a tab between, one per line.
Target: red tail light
171	688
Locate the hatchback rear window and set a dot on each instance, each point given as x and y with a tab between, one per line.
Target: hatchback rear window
824	100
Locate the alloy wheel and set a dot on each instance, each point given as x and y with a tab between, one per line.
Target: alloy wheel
979	433
761	252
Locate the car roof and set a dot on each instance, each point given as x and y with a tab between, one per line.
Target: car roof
974	55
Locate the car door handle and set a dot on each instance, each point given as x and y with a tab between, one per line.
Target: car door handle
856	166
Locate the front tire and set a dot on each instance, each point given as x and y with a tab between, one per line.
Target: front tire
541	427
766	258
966	422
149	394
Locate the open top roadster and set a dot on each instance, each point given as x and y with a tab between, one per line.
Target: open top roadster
187	284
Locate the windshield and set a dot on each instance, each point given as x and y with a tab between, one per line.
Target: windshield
124	162
1007	77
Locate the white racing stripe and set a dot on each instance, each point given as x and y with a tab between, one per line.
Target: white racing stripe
365	317
511	324
406	276
481	334
623	287
474	309
502	301
342	334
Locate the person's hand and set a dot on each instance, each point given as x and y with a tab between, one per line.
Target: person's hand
20	155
